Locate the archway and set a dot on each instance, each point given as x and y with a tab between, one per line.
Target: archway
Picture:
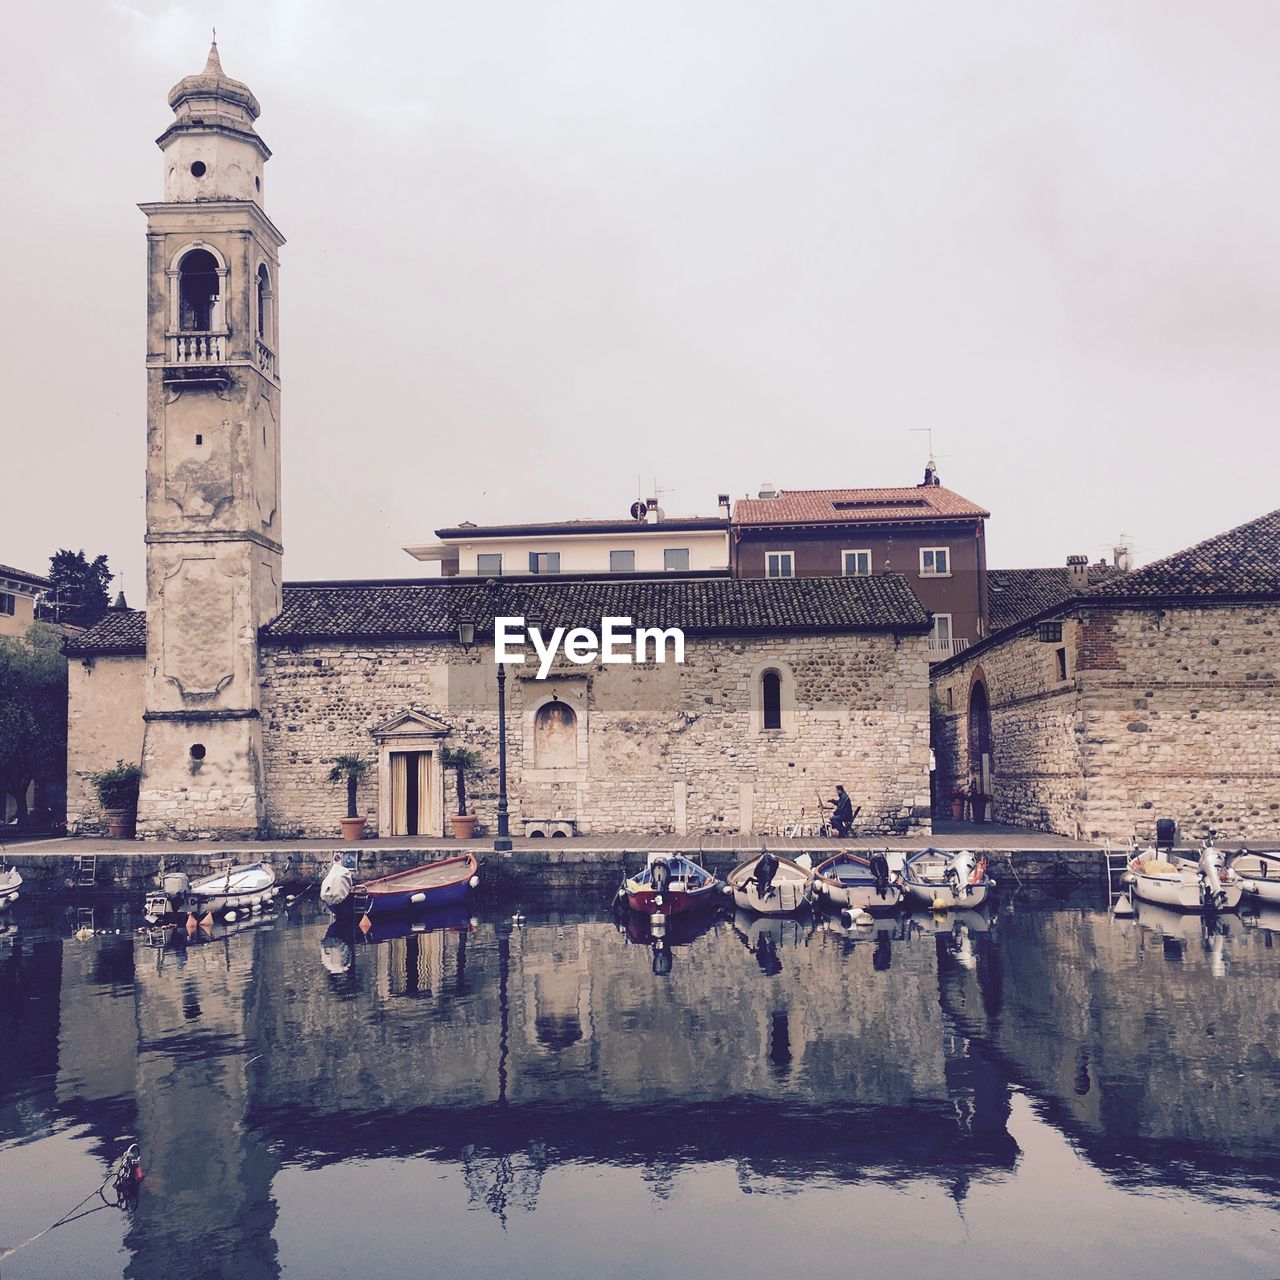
980	755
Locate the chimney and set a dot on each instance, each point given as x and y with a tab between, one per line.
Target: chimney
1077	572
767	491
722	501
1122	557
654	514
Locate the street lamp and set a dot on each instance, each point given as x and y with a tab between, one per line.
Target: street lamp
466	638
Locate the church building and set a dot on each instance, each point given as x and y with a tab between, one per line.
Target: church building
235	690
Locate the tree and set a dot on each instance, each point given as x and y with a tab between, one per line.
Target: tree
462	762
33	714
78	594
349	768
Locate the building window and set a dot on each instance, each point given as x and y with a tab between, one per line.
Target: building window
489	563
771	700
622	562
779	564
951	699
1061	656
8	603
935	562
544	562
940	636
198	292
856	564
676	558
264	293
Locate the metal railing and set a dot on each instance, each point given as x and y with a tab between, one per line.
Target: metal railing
940	649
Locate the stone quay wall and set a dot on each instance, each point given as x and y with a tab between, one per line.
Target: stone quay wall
656	747
1163	713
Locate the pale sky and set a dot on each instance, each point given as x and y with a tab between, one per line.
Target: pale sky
538	249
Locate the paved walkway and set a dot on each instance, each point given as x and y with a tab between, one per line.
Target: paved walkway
947	835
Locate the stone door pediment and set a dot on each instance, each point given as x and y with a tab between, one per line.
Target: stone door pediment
411	724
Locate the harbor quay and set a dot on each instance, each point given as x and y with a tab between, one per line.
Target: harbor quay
582	866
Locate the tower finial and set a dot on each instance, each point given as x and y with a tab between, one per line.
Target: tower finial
213	67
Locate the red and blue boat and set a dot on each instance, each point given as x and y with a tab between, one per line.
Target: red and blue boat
438	884
670	885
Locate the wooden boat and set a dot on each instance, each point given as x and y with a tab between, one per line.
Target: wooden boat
940	880
247	887
10	883
670	885
1205	885
849	880
1259	875
770	886
438	884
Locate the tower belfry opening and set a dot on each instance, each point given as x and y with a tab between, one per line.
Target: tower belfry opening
198	292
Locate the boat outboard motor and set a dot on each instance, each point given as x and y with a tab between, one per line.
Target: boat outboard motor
661	878
880	872
336	887
958	873
766	869
1211	890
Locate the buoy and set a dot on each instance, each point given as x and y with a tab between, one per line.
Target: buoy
517	919
418	898
83	933
230	917
365	924
474	882
939	903
851	916
290	899
1123	906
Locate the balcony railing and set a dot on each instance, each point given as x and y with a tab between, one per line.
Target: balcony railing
198	348
266	359
940	649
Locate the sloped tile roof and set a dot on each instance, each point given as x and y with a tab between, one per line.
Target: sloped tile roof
119	631
8	571
698	606
855	506
1244	561
672	524
1015	594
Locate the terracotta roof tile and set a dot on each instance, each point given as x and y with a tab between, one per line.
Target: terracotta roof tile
855	506
1015	594
119	631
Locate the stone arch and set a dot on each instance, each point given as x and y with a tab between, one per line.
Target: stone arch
197	288
555	736
556	753
773	698
981	743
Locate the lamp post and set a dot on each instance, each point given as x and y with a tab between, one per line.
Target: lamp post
467	637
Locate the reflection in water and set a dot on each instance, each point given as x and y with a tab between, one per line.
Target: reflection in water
778	1054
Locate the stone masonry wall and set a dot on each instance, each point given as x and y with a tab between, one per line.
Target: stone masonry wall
104	724
1164	714
667	748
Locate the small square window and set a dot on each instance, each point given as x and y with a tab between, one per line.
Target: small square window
935	562
676	558
544	562
489	563
622	562
8	603
856	564
779	564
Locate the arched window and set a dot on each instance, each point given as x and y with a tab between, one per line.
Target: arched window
264	295
198	292
771	700
555	737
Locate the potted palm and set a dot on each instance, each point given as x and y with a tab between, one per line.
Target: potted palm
117	790
462	762
350	768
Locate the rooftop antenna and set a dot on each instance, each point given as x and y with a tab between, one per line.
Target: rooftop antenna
931	468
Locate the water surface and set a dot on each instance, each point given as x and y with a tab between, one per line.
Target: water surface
1040	1092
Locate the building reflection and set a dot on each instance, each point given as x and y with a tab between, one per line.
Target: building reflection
789	1050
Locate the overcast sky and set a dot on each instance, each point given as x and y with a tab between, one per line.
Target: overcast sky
537	250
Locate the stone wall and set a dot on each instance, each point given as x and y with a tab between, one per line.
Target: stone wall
104	724
1163	713
663	748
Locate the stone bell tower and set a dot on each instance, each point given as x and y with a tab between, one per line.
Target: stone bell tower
213	464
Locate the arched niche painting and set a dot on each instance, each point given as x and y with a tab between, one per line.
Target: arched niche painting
555	736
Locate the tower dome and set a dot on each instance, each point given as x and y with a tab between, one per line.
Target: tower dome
211	151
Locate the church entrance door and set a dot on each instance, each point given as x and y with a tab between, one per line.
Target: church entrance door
410	793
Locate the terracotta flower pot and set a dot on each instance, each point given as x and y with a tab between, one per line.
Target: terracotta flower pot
464	825
121	823
957	811
352	828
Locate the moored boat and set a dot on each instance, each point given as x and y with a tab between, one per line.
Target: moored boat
10	883
671	884
942	881
850	880
437	884
235	887
1205	885
1259	875
770	886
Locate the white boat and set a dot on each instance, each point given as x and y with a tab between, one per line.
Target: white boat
234	888
10	883
1259	875
858	883
1205	885
770	886
942	881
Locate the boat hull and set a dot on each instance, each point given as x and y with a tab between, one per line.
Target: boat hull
1259	876
240	889
791	891
941	897
927	883
10	883
846	881
1182	891
438	884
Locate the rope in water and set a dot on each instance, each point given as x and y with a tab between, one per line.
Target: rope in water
124	1179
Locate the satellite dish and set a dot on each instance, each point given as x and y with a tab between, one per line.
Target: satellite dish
639	510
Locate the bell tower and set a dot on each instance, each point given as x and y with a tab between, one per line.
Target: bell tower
214	544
